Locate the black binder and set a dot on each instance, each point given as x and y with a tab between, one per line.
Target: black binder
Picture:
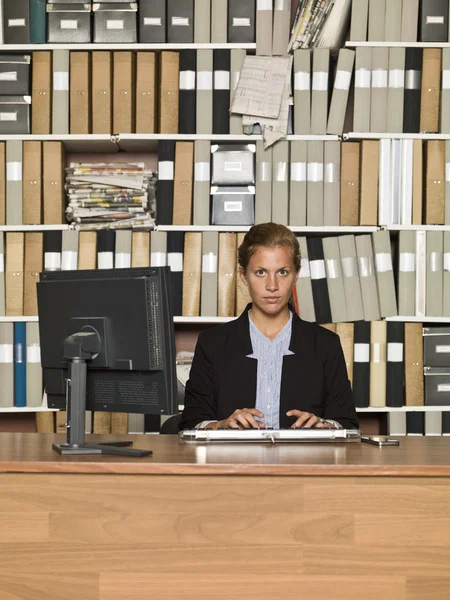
434	20
395	364
175	246
319	283
52	248
221	91
106	243
152	21
164	190
16	22
180	21
361	365
241	21
187	110
415	423
413	81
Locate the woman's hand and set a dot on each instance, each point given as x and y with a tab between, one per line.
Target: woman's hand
240	419
306	419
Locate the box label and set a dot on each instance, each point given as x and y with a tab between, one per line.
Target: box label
69	24
232	206
114	24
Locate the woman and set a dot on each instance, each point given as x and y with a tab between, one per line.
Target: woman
268	368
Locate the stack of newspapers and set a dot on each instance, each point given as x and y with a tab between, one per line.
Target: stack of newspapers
320	24
110	195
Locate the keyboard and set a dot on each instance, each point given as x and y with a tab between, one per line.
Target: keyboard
270	435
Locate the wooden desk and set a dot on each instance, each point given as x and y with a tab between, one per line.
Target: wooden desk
257	522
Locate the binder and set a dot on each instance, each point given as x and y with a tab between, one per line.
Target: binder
298	183
204	91
101	92
433	423
410	21
319	284
352	285
331	188
370	150
335	280
52	250
202	179
242	293
32	183
445	92
414	364
315	187
345	331
319	94
430	90
407	273
2	275
175	247
119	423
362	90
413	86
376	27
3	183
124	87
415	423
339	99
396	90
304	285
187	108
350	167
236	62
145	92
180	21
192	274
152	21
384	273
45	422
385	198
359	20
164	194
16	22
33	265
241	21
421	273
79	86
34	390
38	22
447	184
434	21
208	292
280	185
264	17
14	274
417	182
446	282
397	423
106	241
41	92
14	170
302	92
406	181
6	365
202	21
379	95
395	368
169	92
435	183
361	364
69	250
60	95
87	253
378	336
221	93
393	21
183	183
367	277
20	365
158	246
434	274
281	27
226	298
140	250
446	423
53	182
219	21
101	423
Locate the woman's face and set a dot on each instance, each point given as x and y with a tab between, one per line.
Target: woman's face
270	275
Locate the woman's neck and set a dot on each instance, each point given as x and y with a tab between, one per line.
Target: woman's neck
269	325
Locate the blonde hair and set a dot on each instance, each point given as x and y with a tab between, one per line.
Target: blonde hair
268	235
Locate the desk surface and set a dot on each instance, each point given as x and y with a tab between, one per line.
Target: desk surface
416	456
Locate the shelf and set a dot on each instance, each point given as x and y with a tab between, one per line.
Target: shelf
416	227
351	44
296	229
386	409
124	46
28	409
357	135
34	227
419	319
72	143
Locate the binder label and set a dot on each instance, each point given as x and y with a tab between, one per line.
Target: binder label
342	81
204	80
187	80
413	79
105	260
180	21
52	261
446	79
264	172
349	266
281	171
315	172
395	352
443	387
153	21
379	78
383	262
69	260
14	171
435	20
447	261
221	80
232	166
280	5
158	259
8	76
18	353
68	24
298	171
114	24
302	81
34	354
16	22
165	170
232	206
175	261
209	263
61	81
320	81
361	353
317	269
123	260
396	78
304	269
333	268
2	263
6	353
407	262
365	266
436	262
362	78
442	349
202	171
331	173
264	5
241	22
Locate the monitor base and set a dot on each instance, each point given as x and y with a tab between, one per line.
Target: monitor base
116	448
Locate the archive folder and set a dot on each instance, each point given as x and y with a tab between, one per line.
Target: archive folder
281	27
434	21
241	21
236	63
152	21
140	248
378	338
123	92
335	280
264	18
187	97
377	20
183	183
41	91
319	284
362	91
361	364
101	92
338	106
393	21
69	250
314	209
202	21
352	285
53	182
192	273
33	265
16	22
359	20
175	259
202	178
60	96
14	187
14	273
396	90
122	249
180	21
210	252
298	184
219	21
378	100
367	277
7	365
79	90
350	181
302	91
331	187
430	92
280	184
413	86
146	92
166	170
169	92
319	95
221	91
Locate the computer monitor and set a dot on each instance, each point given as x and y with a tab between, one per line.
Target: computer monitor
107	344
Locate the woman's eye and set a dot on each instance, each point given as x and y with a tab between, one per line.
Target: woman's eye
283	272
260	272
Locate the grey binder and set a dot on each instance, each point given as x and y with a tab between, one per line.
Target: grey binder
314	176
384	273
332	183
302	92
69	250
280	183
339	99
204	91
352	286
335	279
396	90
445	92
34	369
180	26
421	273
446	276
14	169
304	287
202	182
407	273
363	72
376	28
7	365
319	94
435	274
136	423
60	98
264	17
236	62
367	278
208	292
410	21
433	422
281	27
359	20
380	64
219	20
397	423
158	248
263	200
393	21
122	250
2	274
202	21
298	184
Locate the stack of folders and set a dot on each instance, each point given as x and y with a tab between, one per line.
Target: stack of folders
321	24
15	98
399	21
110	195
418	422
400	90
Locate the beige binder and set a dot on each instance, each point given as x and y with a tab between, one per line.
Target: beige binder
431	90
32	183
87	250
101	92
435	183
14	273
169	91
227	275
140	249
79	92
183	183
123	94
417	182
350	183
378	335
145	92
53	183
414	392
192	274
370	151
34	254
2	183
242	293
41	93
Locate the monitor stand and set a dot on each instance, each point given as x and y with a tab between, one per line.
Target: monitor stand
84	346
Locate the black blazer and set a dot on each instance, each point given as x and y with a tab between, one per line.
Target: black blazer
223	379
